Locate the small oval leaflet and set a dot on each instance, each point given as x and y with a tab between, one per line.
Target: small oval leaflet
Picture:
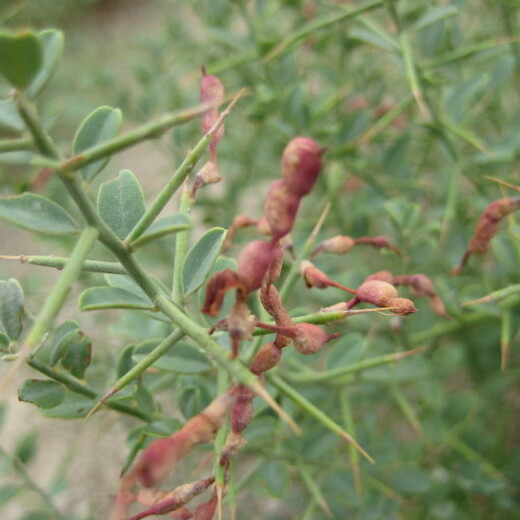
200	259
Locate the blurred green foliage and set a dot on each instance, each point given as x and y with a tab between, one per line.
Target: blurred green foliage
418	104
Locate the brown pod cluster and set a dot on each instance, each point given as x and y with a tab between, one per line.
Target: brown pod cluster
487	227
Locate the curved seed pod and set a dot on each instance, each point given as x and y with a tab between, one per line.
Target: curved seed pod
376	292
338	245
280	208
314	277
266	358
208	174
158	459
272	303
301	164
218	285
253	263
487	227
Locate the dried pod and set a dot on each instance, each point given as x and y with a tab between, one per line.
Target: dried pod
310	339
253	263
275	265
240	325
338	245
208	174
211	90
218	285
314	277
272	303
421	286
158	459
280	208
383	276
401	306
307	337
376	292
206	510
176	499
243	409
487	227
239	221
380	242
301	164
266	358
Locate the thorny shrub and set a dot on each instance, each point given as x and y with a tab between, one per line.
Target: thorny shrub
228	306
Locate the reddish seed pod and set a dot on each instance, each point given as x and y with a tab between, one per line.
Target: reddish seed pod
314	277
280	208
253	263
243	410
309	338
275	265
216	289
380	242
383	276
301	164
206	510
337	245
376	292
211	89
266	358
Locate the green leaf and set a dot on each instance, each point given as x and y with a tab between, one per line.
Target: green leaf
126	283
74	406
77	355
26	447
200	259
121	203
125	363
183	358
8	492
434	15
99	126
51	42
97	298
165	226
12	313
275	477
190	401
20	57
36	213
64	333
9	117
42	392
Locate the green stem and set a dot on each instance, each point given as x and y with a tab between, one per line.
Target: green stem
29	483
181	248
350	424
328	376
150	130
41	139
178	177
55	300
79	388
58	262
145	363
315	412
318	25
15	145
